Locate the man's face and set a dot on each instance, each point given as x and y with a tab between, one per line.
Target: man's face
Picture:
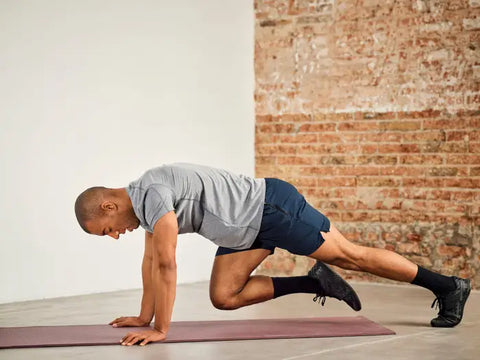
112	223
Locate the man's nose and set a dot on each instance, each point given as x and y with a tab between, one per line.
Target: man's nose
114	234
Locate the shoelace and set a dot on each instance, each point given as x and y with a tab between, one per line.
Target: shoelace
438	303
321	299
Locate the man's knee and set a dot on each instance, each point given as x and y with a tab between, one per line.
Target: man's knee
223	300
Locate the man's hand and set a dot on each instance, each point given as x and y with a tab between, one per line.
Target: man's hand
129	321
147	336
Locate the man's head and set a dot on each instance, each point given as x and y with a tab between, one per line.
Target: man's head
102	211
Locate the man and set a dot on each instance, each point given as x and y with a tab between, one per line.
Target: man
247	218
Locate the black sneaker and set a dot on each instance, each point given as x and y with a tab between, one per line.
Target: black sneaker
451	304
331	284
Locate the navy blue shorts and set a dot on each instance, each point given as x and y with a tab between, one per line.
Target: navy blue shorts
288	222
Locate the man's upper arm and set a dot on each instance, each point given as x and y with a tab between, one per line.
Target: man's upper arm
159	200
165	232
148	246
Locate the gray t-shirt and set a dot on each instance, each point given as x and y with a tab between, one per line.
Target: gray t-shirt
219	205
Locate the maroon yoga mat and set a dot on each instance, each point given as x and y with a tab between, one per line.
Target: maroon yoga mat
184	331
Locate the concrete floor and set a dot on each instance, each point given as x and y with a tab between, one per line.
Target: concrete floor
402	308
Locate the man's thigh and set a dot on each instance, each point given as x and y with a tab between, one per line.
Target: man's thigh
230	272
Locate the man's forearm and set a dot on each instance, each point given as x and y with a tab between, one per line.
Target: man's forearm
148	298
165	280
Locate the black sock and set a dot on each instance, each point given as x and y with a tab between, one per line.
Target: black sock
437	283
295	284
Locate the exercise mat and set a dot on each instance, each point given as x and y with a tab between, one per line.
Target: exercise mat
186	331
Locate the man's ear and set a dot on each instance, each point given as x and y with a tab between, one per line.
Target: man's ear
108	206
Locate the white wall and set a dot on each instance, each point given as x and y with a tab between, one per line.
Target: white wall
94	93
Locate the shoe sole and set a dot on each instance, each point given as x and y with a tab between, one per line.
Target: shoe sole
467	294
356	304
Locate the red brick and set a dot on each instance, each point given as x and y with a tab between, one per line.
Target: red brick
336	181
265	160
357	170
368	149
398	148
425	135
463	159
334	116
275	149
317	127
452	123
298	138
378	181
443	171
317	193
295	118
358	126
400	125
263	118
275	128
329	138
345	149
377	159
454	147
380	137
389	193
422	182
413	194
421	159
439	195
296	160
375	116
458	135
455	208
402	171
343	192
316	149
336	160
464	183
474	148
360	216
462	195
317	170
265	138
474	135
475	171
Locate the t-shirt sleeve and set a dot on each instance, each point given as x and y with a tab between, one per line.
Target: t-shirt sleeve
159	200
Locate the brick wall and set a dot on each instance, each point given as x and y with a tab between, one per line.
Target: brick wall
371	108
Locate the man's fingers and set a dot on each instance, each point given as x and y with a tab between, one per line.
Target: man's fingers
126	340
127	337
135	339
132	338
145	341
116	320
121	322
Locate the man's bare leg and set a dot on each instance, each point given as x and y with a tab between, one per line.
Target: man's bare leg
337	250
231	285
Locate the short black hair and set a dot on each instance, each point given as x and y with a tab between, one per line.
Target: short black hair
87	205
